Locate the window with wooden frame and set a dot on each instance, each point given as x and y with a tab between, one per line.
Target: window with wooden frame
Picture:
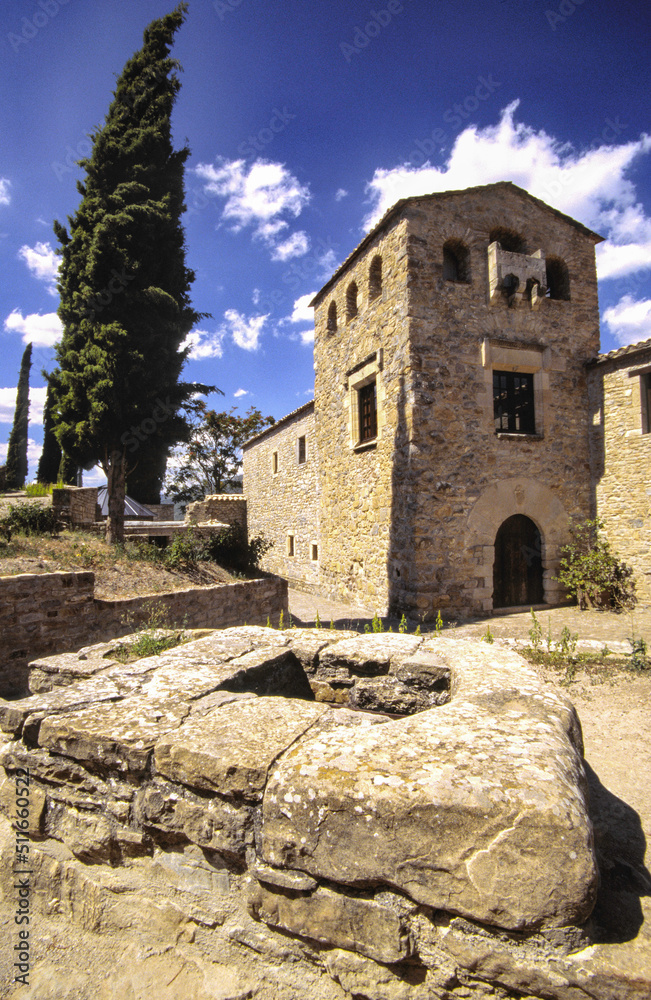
367	409
513	403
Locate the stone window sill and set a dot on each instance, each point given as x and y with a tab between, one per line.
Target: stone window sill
365	445
518	437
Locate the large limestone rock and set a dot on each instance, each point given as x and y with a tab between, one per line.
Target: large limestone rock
476	807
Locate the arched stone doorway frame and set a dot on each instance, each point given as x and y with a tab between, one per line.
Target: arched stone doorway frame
536	501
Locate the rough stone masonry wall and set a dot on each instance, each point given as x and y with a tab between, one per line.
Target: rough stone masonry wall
461	478
225	508
57	612
447	854
357	501
622	461
75	505
285	503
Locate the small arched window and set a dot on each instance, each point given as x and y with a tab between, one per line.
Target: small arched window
332	318
456	261
351	301
558	279
508	239
375	278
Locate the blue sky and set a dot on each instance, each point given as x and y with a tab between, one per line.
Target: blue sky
307	119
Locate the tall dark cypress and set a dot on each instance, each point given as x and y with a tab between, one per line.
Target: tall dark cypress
125	303
48	465
16	468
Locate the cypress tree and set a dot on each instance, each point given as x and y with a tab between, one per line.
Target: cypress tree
125	304
48	465
16	469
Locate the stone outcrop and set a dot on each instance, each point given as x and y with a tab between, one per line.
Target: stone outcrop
425	853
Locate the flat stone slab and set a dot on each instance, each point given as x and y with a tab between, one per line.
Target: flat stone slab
231	749
476	807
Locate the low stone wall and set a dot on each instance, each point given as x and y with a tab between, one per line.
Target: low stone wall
58	612
445	854
161	511
228	508
75	505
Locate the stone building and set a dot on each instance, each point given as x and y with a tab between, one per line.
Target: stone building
620	404
448	445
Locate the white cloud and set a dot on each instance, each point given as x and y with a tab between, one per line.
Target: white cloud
241	392
36	404
295	245
590	186
257	195
303	312
245	331
5	197
41	330
43	263
341	193
204	345
33	455
629	320
307	337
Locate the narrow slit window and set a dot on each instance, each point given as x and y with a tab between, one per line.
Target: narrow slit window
274	462
368	412
302	450
290	545
645	396
513	403
315	553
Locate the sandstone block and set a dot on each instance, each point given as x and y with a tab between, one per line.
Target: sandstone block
370	655
336	920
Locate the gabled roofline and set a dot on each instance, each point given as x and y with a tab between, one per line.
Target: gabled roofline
279	423
395	210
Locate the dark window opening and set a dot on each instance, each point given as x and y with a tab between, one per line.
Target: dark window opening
375	278
351	301
456	261
315	553
302	454
290	545
274	462
645	393
332	318
508	239
558	279
367	400
513	406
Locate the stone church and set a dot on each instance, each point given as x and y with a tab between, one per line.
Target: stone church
459	418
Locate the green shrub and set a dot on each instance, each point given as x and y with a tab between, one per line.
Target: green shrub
229	548
38	489
29	519
591	572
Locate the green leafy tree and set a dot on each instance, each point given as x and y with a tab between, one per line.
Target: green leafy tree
125	303
48	466
211	462
590	570
16	469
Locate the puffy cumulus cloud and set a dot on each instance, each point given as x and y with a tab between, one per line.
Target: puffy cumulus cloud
245	330
33	455
295	245
303	312
241	392
307	337
261	195
36	404
5	197
340	194
629	320
42	330
591	186
204	345
43	263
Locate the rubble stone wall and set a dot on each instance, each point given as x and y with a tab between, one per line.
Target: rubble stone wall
282	497
226	508
622	459
75	505
58	612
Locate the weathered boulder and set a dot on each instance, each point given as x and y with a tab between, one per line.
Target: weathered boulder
475	807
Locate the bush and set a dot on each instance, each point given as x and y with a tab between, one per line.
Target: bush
29	519
38	489
592	573
229	548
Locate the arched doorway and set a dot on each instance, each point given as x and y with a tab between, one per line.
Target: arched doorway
517	570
